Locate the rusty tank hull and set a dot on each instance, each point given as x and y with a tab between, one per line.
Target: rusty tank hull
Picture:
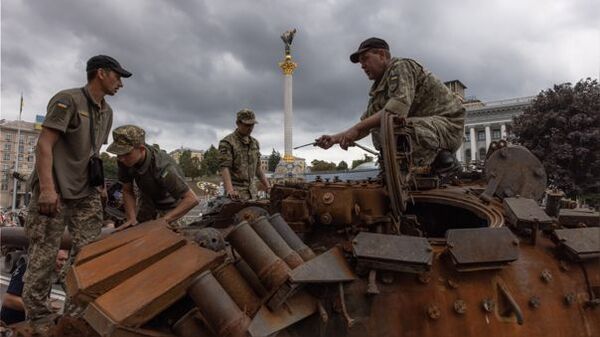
424	254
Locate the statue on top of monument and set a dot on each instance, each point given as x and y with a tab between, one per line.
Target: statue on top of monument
287	38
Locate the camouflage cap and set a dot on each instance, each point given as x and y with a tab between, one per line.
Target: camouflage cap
126	138
246	116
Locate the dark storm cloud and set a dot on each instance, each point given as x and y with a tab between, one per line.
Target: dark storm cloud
197	62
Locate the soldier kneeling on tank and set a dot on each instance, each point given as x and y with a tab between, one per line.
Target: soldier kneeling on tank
163	192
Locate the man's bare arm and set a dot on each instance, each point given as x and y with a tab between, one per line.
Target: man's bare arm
13	302
188	202
129	204
48	201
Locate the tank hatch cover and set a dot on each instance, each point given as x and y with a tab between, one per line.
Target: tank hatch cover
392	252
482	248
525	213
579	243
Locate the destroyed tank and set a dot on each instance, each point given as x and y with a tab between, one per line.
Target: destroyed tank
421	255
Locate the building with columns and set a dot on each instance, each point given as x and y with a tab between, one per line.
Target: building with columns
485	122
10	148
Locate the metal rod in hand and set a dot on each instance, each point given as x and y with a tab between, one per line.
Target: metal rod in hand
367	149
313	144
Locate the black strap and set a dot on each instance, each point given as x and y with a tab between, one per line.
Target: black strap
91	112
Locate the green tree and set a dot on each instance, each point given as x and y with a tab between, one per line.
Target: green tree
562	128
210	163
185	162
274	159
110	166
342	166
367	159
321	165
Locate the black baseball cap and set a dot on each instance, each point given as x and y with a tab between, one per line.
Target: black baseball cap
370	43
105	61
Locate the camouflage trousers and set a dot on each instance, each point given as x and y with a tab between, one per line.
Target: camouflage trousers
83	218
246	192
428	135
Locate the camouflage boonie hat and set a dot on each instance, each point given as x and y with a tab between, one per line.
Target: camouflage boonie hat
125	138
246	116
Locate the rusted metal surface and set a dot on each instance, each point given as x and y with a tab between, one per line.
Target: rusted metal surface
191	325
482	248
525	213
251	277
392	252
397	158
273	239
512	171
94	277
579	217
142	296
290	237
238	288
579	243
553	198
270	269
120	238
328	267
542	293
267	322
219	310
222	212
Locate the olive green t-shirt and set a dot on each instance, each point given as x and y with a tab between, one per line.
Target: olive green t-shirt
158	178
68	113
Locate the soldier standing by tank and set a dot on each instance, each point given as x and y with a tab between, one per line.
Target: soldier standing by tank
163	191
239	159
434	116
77	123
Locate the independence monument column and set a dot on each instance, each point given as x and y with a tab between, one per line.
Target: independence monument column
287	66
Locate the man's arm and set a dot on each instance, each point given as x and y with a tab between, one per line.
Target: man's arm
263	179
229	190
225	162
129	204
48	201
346	138
188	202
13	302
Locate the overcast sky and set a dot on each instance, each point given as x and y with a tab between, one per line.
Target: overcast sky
195	63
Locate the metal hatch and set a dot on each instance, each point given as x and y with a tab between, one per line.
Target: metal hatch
579	243
482	248
392	252
525	213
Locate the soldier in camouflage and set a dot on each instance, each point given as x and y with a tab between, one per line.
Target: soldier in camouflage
62	192
434	115
163	191
239	159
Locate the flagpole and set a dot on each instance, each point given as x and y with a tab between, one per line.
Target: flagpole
16	168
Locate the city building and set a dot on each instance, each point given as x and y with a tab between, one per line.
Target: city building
176	154
485	121
264	163
9	147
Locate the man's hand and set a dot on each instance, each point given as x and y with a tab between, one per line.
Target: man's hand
48	202
126	224
348	138
326	141
103	196
233	195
